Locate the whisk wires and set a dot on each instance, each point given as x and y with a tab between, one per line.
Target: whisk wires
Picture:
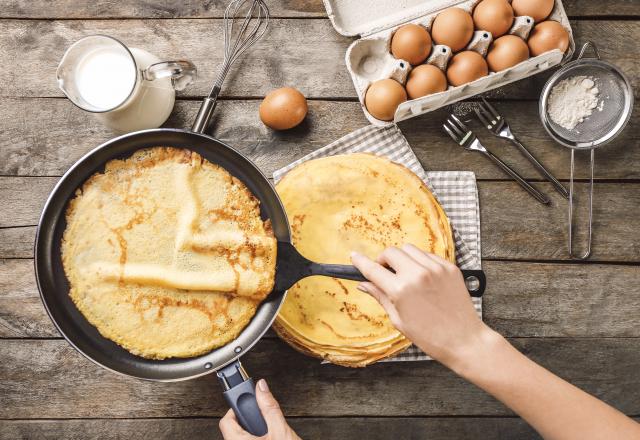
253	27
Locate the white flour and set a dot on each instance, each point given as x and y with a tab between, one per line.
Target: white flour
572	100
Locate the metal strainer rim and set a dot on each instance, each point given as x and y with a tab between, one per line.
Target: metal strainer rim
609	136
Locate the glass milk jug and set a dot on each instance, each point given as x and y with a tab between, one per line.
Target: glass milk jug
127	89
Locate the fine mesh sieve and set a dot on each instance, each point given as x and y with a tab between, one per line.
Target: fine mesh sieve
602	126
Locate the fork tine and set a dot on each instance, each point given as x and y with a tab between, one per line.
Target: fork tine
460	123
450	133
455	128
493	111
485	111
483	118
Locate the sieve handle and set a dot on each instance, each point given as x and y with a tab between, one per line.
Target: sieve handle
585	46
588	251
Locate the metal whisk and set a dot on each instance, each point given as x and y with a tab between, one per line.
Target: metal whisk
254	25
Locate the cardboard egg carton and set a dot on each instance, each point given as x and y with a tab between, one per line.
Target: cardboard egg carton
369	58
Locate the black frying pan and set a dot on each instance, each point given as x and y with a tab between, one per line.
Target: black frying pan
291	267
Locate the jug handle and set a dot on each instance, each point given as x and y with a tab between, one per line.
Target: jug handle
181	72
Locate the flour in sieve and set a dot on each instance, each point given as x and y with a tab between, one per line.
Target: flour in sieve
572	100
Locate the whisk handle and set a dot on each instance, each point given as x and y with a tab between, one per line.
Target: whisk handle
206	112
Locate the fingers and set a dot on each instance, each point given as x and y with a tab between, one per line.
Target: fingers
270	408
230	428
430	261
398	260
382	298
373	271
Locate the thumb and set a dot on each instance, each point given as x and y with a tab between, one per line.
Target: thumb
269	407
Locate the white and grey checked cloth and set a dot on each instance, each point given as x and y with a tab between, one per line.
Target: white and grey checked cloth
455	190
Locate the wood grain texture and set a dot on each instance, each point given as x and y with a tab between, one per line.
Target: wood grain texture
28	150
514	225
305	53
522	300
17	242
212	9
308	428
89	9
23	199
50	371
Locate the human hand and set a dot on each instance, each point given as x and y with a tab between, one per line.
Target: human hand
426	300
276	423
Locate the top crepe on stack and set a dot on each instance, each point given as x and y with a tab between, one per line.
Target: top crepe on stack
336	205
166	253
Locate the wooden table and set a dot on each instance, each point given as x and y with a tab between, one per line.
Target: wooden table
581	320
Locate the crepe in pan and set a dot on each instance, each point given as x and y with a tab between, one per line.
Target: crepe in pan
166	253
336	205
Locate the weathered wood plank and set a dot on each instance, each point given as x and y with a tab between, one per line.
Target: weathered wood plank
17	242
157	9
39	371
522	300
308	428
514	226
23	198
199	9
28	150
21	311
551	300
307	54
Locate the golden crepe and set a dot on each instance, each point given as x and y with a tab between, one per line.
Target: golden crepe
166	253
345	203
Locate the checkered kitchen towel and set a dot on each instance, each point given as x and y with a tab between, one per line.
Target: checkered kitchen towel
455	190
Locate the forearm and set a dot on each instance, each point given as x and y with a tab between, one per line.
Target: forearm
555	408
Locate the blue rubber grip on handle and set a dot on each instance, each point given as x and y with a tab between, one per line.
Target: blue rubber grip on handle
240	394
242	399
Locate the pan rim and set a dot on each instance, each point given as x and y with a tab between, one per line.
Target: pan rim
40	248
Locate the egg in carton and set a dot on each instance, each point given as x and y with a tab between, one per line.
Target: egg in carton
369	59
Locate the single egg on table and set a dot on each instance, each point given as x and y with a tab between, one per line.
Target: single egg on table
507	51
283	108
424	80
383	98
547	36
465	67
453	27
536	9
412	43
495	16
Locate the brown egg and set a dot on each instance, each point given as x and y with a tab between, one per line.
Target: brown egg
495	16
536	9
465	67
453	27
547	36
383	98
507	51
283	108
412	43
425	80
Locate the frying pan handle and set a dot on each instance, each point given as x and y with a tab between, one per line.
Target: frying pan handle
475	280
240	394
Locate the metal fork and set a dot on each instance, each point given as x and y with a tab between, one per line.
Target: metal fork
497	125
466	138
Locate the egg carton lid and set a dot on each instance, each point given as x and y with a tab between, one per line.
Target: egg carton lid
366	17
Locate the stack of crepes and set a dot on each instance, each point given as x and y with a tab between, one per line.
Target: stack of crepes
336	205
166	253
